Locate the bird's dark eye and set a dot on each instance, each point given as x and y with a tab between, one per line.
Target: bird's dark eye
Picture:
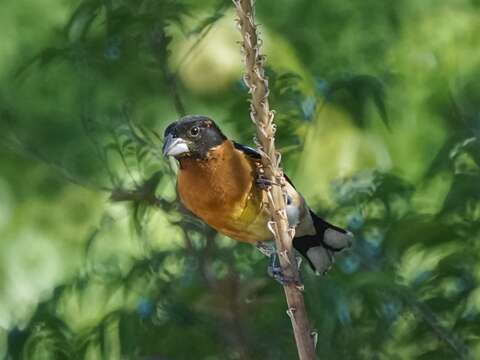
194	131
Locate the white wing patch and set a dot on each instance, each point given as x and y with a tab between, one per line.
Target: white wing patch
321	258
337	239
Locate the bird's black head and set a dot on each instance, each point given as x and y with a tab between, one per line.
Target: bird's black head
191	136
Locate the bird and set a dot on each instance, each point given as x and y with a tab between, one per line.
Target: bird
220	183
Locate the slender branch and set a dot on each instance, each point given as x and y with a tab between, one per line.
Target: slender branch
262	117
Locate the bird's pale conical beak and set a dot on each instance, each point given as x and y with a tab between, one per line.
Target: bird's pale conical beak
174	146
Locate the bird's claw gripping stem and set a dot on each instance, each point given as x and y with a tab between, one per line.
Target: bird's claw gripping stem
274	269
265	249
275	272
263	183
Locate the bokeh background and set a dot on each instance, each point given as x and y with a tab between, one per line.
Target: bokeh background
378	111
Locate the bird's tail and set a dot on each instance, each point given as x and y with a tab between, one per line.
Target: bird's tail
320	249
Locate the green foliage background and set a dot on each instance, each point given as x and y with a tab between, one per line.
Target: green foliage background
378	115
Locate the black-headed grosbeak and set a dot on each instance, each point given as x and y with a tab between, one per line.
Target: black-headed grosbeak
218	182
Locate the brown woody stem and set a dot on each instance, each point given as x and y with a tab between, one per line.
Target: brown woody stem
262	116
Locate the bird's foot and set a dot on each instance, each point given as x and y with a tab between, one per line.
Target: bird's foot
263	183
274	269
265	249
275	272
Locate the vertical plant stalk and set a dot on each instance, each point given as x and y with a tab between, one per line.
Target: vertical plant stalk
262	117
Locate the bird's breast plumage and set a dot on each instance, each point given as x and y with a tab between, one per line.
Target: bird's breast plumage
220	190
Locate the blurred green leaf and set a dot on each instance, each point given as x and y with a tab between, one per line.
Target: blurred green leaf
354	92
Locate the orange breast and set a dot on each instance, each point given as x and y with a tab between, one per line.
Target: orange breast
219	190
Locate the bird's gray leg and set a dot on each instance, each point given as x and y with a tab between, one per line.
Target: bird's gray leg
274	269
263	183
265	249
